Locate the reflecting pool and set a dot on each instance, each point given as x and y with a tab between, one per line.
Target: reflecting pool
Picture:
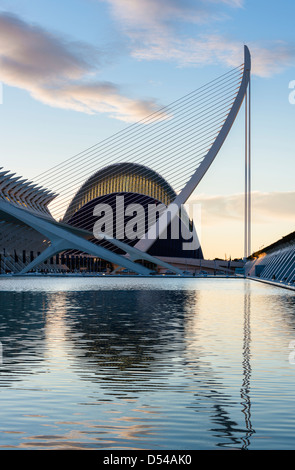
146	363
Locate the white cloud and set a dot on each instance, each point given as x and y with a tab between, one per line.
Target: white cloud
154	13
156	31
267	60
222	221
96	98
266	207
60	73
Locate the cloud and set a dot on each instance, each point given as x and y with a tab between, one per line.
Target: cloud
266	207
222	221
267	60
96	98
160	30
272	58
153	14
61	73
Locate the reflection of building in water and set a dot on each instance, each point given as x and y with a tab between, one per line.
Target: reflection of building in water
131	342
59	350
128	330
135	342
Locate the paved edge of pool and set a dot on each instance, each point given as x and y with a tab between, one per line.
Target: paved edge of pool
272	283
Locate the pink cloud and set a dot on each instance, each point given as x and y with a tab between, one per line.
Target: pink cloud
61	74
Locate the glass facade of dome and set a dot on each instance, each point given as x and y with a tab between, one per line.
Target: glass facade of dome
119	178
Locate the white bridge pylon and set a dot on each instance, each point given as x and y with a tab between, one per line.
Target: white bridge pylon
148	239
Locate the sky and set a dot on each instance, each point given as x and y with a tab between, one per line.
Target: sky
75	72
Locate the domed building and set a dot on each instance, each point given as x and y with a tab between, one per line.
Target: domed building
128	183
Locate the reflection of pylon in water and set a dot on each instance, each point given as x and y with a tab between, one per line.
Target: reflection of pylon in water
246	364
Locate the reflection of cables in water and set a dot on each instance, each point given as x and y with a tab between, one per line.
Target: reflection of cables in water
245	389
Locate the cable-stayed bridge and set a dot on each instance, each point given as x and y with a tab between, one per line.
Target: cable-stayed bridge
178	142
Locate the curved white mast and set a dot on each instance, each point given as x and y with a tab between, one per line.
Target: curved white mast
173	209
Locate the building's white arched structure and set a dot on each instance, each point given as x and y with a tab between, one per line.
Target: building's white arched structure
24	205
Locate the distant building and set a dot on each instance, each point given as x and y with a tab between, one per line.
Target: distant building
275	262
19	242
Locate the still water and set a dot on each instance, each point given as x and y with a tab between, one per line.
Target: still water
138	363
